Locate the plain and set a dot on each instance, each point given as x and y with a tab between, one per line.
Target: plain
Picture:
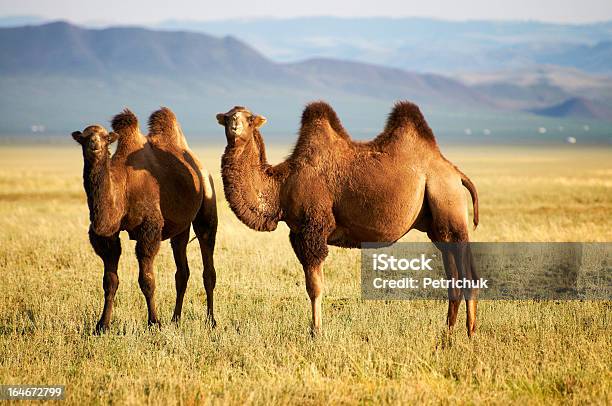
261	352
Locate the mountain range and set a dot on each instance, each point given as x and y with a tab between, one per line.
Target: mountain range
64	77
422	44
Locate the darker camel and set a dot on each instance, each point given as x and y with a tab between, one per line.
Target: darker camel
154	188
336	191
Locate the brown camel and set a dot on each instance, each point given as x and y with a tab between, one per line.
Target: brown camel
154	188
336	191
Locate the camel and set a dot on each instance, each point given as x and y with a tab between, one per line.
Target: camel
154	188
335	191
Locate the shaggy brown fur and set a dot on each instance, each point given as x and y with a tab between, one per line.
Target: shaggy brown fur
155	189
335	191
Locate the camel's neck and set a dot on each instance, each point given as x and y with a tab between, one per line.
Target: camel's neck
105	210
251	185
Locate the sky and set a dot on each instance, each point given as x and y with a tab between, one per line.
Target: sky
151	11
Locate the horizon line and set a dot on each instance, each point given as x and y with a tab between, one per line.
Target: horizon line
156	23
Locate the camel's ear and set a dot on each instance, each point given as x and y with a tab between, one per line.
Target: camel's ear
78	136
112	137
258	121
221	119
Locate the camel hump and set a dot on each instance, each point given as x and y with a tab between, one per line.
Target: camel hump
164	128
125	122
407	113
319	111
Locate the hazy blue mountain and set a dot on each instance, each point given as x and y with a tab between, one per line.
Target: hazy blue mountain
577	107
65	77
592	58
382	82
62	48
541	87
421	44
515	96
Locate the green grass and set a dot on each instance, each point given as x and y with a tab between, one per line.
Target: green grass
261	352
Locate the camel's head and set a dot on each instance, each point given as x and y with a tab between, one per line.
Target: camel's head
95	141
239	124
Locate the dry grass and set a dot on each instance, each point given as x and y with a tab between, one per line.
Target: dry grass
371	352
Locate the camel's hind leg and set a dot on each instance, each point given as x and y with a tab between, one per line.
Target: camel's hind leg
452	272
449	229
109	249
205	227
179	250
471	295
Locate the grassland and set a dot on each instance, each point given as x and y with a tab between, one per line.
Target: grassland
261	352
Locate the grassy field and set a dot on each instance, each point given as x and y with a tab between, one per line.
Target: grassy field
261	352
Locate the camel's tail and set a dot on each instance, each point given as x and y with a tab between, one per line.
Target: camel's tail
465	181
164	128
125	122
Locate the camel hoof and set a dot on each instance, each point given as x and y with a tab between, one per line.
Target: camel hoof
101	328
445	340
155	324
212	322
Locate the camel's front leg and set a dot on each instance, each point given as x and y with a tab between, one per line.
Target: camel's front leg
314	287
147	246
311	250
109	249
